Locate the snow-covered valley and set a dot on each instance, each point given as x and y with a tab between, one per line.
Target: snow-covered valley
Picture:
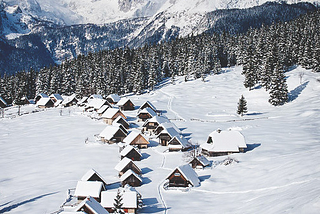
44	154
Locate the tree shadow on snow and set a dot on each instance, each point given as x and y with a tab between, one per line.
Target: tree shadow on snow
254	114
251	147
294	94
11	207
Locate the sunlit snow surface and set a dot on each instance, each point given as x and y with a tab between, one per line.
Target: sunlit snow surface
43	154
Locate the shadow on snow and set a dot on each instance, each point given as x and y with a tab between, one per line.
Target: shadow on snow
292	95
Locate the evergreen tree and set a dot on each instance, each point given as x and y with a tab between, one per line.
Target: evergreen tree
242	106
279	89
117	204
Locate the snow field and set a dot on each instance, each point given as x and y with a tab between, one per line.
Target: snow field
43	154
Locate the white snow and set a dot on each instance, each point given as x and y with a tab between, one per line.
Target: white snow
89	188
43	154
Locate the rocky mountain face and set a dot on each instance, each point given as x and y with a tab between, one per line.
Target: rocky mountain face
33	36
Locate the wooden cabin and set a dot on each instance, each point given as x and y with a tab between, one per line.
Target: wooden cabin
151	124
39	96
166	136
93	175
131	178
183	176
92	188
113	98
3	103
130	152
129	201
135	138
224	143
125	104
89	206
125	164
165	126
102	110
96	104
121	127
148	104
122	121
56	97
70	100
199	162
83	101
146	114
178	143
45	103
111	114
112	134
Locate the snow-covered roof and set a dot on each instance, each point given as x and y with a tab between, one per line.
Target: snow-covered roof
68	99
203	160
115	97
92	205
43	101
120	118
123	101
128	173
3	101
147	111
83	100
127	149
183	142
123	163
171	131
90	173
89	188
95	96
225	141
109	132
149	104
110	113
189	174
102	109
97	103
58	102
43	95
157	119
129	199
165	126
131	136
56	96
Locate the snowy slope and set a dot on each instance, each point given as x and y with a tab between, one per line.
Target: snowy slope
43	154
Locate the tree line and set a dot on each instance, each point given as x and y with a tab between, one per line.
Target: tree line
265	54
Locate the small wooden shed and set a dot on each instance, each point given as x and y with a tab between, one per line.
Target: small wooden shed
122	121
125	104
111	114
199	162
131	152
130	178
113	98
112	134
90	206
178	143
92	188
151	124
183	176
146	114
166	136
148	104
125	164
39	96
93	175
129	201
45	102
135	138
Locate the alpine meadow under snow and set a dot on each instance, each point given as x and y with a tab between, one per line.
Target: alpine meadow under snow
44	154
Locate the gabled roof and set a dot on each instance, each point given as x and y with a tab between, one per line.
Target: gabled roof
90	173
129	199
172	132
95	96
43	101
83	100
56	96
131	136
123	163
89	188
92	205
157	119
183	142
203	160
109	132
115	97
43	95
150	106
3	101
168	125
127	174
103	109
68	99
123	101
97	103
147	111
120	118
111	112
225	141
189	174
128	149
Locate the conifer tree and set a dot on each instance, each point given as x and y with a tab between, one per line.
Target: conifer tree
242	106
118	204
279	89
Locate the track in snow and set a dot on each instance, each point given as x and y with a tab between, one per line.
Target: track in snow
169	105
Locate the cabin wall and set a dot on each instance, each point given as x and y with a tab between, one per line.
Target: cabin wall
140	142
177	180
164	139
144	116
132	181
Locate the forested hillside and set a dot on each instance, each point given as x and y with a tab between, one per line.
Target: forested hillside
265	53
